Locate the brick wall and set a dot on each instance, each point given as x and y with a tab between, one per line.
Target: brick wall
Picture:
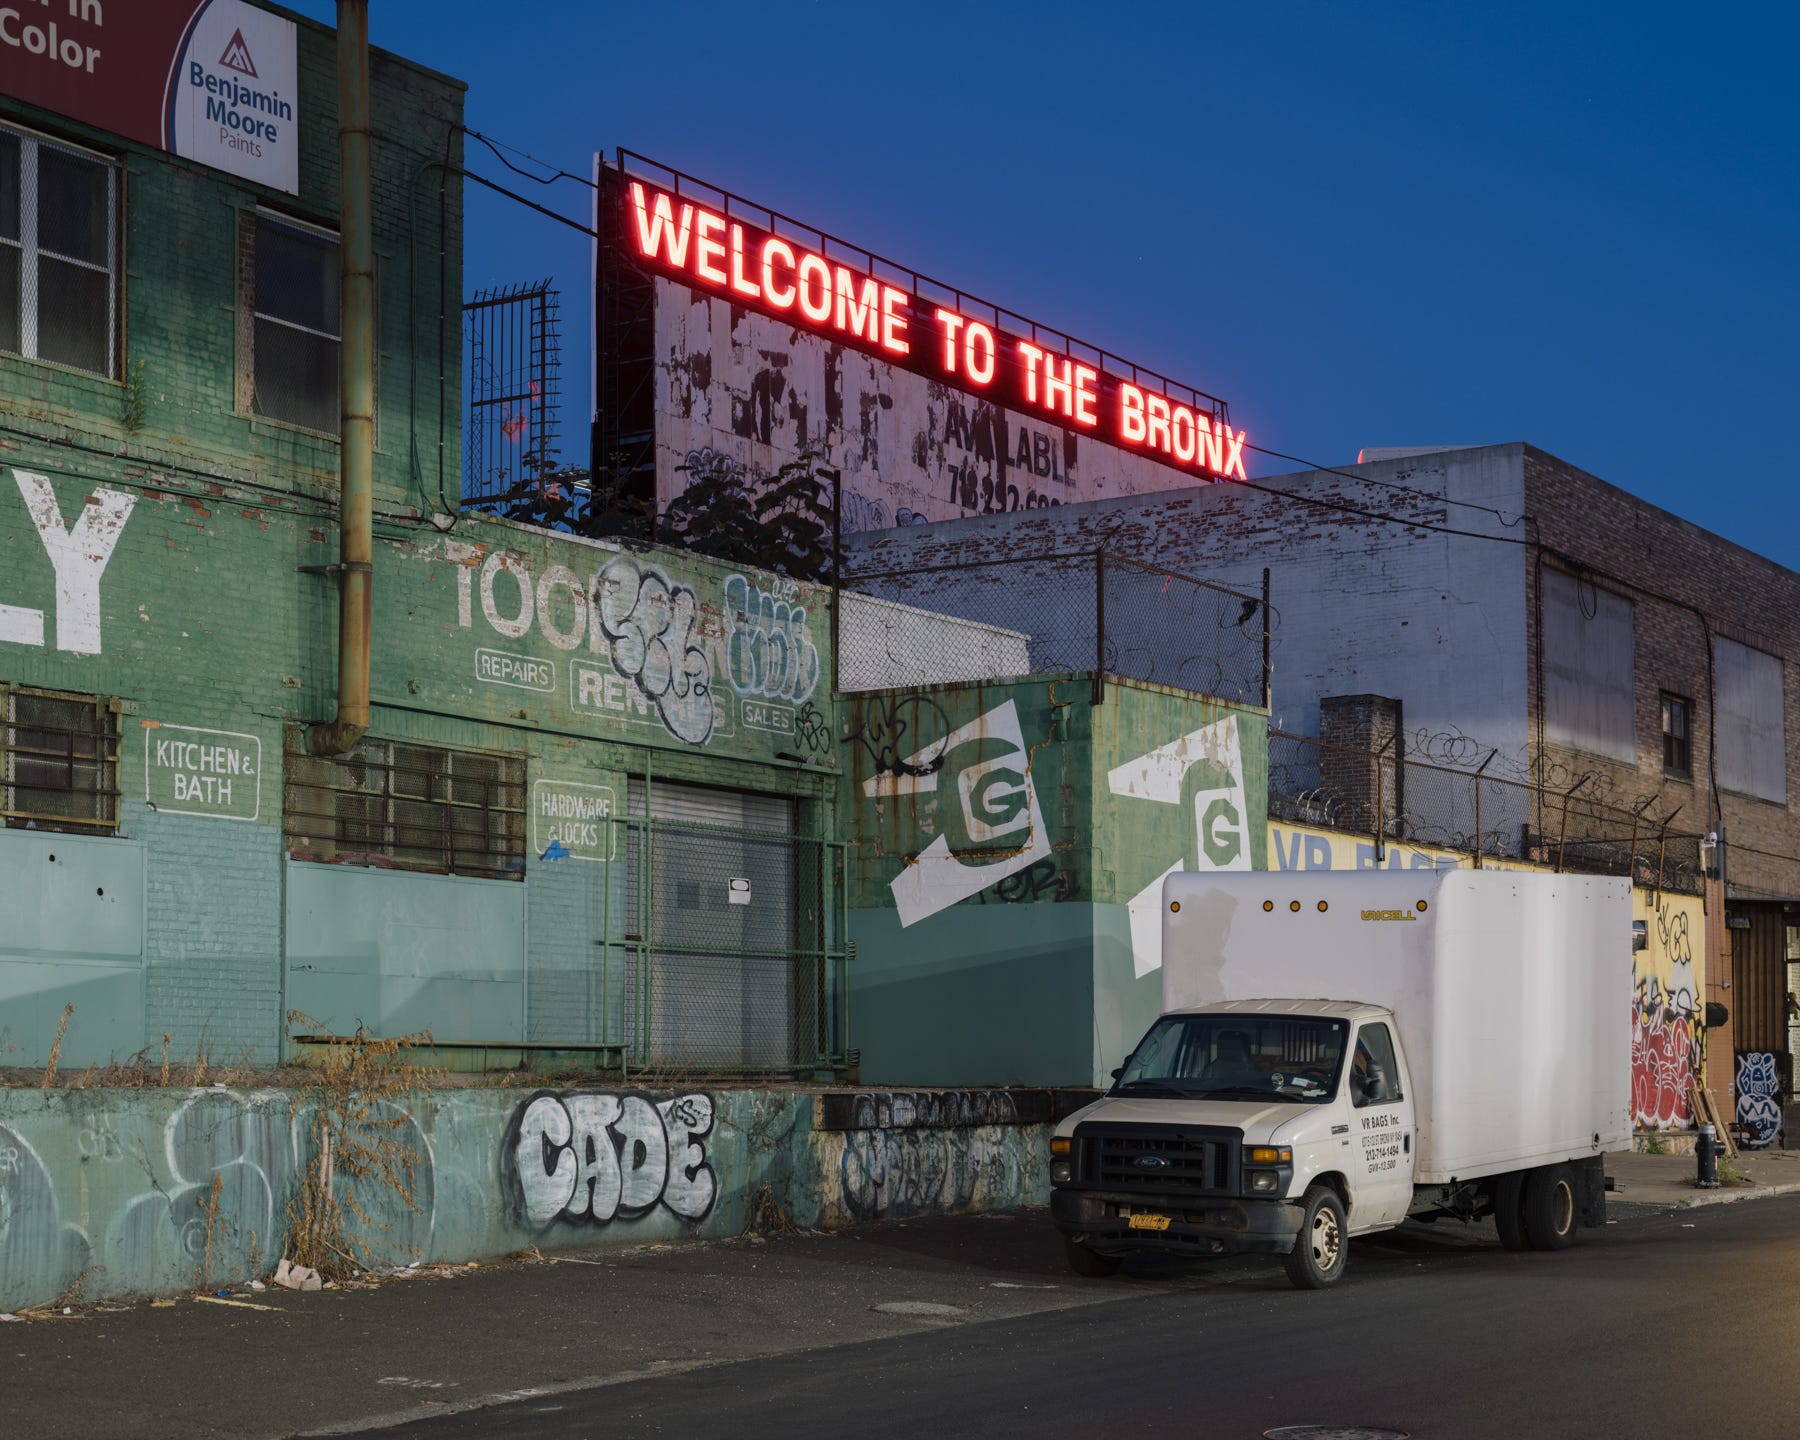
1670	568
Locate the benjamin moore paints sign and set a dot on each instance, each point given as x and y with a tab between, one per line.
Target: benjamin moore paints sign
210	80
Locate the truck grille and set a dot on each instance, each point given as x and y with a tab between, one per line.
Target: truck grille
1193	1159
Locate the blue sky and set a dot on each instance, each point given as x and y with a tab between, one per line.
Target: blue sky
1362	225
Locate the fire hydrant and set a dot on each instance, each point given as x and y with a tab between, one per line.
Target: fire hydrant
1706	1159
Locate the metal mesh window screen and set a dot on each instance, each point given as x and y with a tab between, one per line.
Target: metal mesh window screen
291	286
59	211
61	760
411	807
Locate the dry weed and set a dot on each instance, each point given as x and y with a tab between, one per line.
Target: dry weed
357	1098
62	1029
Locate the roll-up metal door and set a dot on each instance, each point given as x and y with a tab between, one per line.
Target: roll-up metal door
714	872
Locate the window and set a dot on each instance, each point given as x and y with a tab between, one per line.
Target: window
61	760
288	278
408	807
59	294
1590	679
1291	1057
1677	728
1751	720
1374	1077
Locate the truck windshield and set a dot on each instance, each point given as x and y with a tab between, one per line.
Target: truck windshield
1285	1057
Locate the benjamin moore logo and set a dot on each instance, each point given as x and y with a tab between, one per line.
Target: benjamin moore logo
237	56
238	112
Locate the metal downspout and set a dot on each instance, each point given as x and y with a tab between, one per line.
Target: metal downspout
356	388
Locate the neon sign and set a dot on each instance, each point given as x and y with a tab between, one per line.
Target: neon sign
766	272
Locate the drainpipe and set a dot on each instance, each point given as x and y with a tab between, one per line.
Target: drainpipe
356	388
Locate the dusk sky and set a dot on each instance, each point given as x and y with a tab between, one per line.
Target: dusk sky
1362	225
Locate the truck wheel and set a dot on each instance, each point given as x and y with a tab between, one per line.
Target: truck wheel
1509	1210
1550	1209
1091	1263
1321	1247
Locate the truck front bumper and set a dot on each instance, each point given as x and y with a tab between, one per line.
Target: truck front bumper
1198	1224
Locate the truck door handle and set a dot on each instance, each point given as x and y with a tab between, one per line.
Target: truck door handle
1406	1142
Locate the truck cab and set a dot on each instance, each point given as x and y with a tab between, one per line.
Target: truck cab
1221	1118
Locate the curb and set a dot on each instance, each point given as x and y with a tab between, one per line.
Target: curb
1720	1196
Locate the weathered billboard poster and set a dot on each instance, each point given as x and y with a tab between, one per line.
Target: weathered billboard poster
766	345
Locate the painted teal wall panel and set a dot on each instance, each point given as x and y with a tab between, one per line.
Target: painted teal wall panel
1125	1003
212	947
71	933
400	953
1001	998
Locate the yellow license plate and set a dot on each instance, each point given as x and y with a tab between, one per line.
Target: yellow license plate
1149	1222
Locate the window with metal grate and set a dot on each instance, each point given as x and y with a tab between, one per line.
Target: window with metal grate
61	761
407	807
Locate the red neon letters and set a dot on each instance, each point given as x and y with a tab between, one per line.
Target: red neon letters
790	281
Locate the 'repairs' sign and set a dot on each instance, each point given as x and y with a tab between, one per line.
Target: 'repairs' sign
213	81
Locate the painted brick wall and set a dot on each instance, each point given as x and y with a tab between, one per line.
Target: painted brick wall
180	344
212	937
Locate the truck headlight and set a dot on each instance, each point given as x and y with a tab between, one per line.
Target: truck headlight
1264	1182
1060	1172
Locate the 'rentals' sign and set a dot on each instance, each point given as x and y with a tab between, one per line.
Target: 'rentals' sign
213	81
1021	390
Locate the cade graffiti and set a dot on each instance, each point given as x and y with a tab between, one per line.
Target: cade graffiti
597	1158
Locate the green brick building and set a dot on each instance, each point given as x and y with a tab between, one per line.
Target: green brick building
596	804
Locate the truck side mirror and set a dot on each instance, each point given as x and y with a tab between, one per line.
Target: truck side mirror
1118	1070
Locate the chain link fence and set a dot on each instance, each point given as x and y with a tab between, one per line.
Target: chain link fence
1052	614
1394	799
699	950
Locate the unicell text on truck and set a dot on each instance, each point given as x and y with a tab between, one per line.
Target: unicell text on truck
1338	1053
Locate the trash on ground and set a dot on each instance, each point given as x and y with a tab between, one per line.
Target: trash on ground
297	1277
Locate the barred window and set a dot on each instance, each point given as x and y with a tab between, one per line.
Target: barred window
1677	727
410	807
59	270
61	760
289	299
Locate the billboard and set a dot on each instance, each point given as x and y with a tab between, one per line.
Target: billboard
212	81
758	342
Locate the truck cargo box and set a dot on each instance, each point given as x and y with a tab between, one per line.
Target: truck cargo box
1511	992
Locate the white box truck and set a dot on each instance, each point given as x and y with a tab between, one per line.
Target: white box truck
1341	1051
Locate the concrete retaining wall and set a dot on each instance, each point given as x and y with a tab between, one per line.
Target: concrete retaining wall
113	1193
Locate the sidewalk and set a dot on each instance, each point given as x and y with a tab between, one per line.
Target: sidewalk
1668	1180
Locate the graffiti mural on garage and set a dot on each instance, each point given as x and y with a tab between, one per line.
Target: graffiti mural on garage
596	1158
994	815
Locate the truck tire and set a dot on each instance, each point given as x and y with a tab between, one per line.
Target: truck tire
1550	1211
1322	1246
1509	1209
1090	1263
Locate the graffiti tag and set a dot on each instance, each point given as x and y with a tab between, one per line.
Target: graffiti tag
769	650
652	627
599	1157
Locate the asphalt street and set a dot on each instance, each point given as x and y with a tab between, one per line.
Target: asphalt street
1663	1324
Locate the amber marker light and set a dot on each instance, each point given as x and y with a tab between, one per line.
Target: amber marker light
1174	906
1421	906
1294	905
1060	1145
1268	905
1323	907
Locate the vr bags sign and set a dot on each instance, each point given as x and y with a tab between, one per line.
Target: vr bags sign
709	251
213	82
